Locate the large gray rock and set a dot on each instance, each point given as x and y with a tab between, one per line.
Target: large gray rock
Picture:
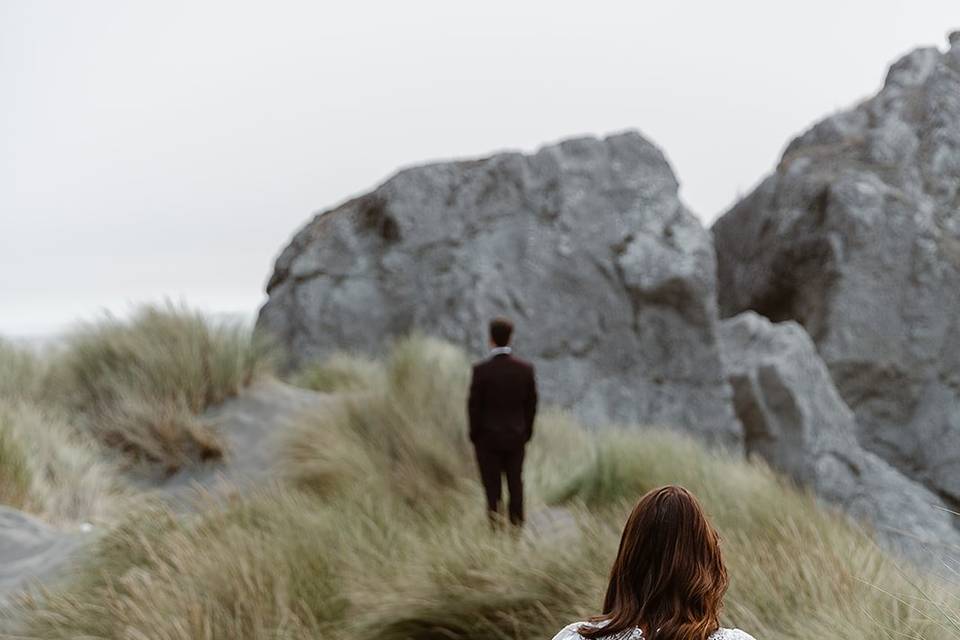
585	244
794	418
856	235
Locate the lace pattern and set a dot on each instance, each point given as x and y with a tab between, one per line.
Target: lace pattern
570	632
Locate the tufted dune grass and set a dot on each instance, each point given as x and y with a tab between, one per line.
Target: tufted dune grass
20	371
113	395
138	386
14	474
341	372
374	527
49	469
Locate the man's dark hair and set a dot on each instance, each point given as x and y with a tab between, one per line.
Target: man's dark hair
500	331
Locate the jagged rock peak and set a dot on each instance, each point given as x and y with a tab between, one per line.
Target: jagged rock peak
856	235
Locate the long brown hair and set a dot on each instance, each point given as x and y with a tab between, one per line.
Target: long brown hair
669	577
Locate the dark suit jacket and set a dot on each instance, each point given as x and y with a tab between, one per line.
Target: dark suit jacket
502	402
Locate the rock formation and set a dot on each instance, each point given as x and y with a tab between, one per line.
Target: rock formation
585	244
856	236
794	418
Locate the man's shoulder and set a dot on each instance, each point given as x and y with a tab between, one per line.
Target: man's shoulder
523	363
482	364
481	368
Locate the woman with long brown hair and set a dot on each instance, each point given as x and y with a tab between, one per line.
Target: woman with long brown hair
668	580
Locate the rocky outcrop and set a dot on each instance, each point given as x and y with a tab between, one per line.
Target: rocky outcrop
585	244
794	418
856	236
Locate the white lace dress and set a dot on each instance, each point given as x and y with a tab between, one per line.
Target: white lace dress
570	632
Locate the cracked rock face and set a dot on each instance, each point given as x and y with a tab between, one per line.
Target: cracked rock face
856	235
794	418
585	245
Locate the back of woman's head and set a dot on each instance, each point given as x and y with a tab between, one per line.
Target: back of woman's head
669	577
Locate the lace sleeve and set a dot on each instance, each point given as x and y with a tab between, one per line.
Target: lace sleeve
569	632
732	634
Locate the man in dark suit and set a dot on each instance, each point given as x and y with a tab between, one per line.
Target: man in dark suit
501	408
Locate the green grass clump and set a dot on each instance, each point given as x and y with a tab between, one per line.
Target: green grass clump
21	372
14	474
49	469
408	434
283	563
376	528
139	386
341	372
235	590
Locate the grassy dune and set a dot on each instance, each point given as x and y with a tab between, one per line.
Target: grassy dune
135	387
49	469
341	372
48	466
138	386
375	528
115	395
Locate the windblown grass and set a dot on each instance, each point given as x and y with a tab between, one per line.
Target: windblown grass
139	386
407	435
133	387
377	530
14	475
49	469
340	373
21	372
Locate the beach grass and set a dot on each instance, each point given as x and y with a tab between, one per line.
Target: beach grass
374	527
139	385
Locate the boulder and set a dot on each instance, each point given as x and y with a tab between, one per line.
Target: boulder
584	244
856	236
794	418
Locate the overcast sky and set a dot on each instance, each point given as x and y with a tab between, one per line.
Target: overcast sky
163	148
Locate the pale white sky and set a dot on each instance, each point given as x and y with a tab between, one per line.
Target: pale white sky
165	148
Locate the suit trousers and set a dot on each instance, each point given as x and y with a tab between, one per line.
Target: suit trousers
495	462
